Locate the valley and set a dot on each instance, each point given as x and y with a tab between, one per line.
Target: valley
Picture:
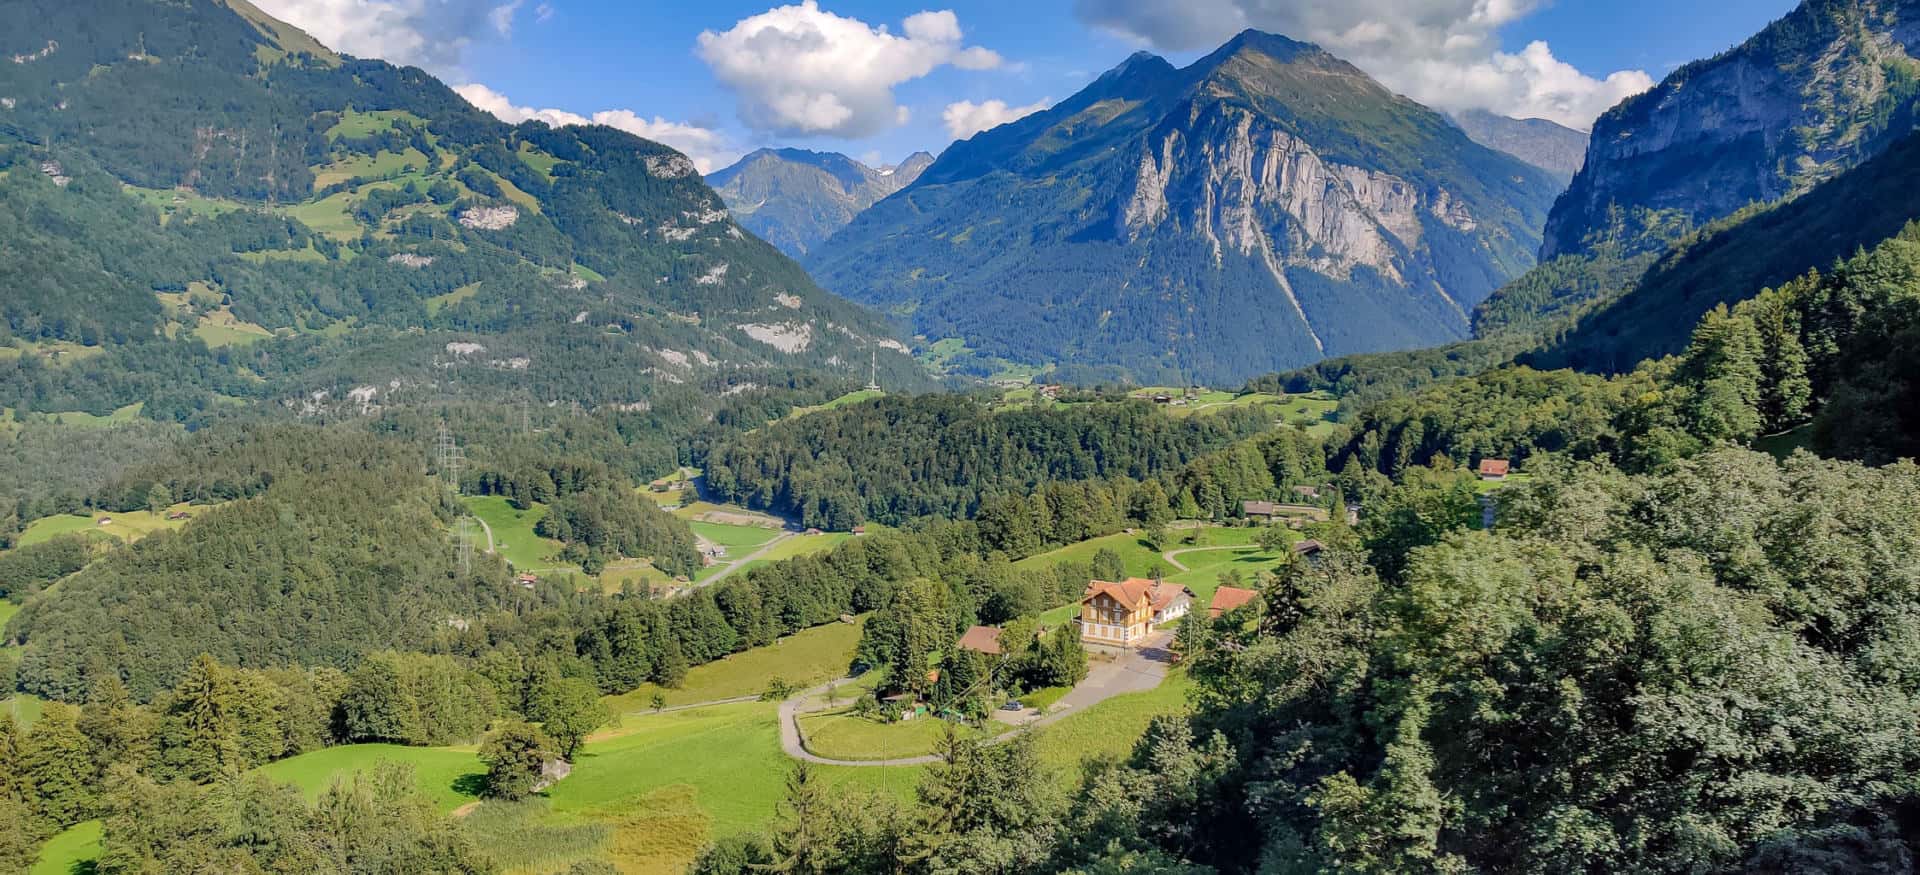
1261	459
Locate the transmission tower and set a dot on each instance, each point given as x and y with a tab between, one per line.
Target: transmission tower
452	460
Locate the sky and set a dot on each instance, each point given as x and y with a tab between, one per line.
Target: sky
879	80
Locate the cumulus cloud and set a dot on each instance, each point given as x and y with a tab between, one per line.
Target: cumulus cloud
428	33
800	70
709	149
966	118
1444	53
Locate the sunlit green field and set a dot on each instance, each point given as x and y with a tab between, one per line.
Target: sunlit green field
804	659
128	527
513	536
733	537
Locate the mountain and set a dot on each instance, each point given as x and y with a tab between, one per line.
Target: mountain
1822	89
1266	207
796	199
1557	149
205	207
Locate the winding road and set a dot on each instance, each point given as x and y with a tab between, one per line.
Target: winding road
1168	555
1133	672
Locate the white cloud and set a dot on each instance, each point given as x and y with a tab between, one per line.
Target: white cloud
709	149
1444	53
542	13
428	33
800	70
966	118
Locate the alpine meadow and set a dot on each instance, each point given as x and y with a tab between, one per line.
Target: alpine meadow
1125	437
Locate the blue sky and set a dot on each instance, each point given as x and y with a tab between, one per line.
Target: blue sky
826	76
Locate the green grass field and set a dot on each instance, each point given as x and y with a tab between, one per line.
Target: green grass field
842	735
440	302
513	536
355	124
1139	558
804	659
798	545
853	397
7	610
70	852
216	334
538	160
449	775
370	166
739	540
1486	486
327	216
1110	728
126	527
24	708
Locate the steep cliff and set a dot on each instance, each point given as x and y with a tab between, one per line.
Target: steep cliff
1826	87
796	199
1268	206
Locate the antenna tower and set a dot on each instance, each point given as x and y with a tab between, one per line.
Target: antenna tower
873	373
451	461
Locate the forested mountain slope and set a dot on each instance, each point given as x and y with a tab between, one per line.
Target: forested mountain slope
1824	88
202	204
1264	208
796	199
1555	148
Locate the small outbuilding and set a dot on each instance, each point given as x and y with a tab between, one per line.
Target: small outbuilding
1495	470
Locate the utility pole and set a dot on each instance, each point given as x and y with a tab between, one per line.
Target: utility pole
873	374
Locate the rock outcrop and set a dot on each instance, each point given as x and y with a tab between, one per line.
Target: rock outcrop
1816	93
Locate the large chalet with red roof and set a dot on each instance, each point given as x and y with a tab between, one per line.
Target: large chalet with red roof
1126	613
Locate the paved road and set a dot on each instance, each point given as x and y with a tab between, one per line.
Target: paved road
1134	671
736	564
1176	563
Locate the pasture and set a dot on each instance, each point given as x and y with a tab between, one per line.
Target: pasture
739	540
513	537
803	659
843	735
124	527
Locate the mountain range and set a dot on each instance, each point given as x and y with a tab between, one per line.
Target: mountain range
1265	207
1822	89
204	205
1550	146
796	199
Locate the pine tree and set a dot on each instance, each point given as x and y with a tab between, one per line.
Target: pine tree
803	838
201	735
59	766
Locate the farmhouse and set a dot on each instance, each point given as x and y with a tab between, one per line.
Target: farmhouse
982	639
1495	470
1127	613
1227	598
527	581
1259	511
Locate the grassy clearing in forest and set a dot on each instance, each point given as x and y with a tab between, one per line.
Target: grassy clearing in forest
739	540
126	527
803	659
513	536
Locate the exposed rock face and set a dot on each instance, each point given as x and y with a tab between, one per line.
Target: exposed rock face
1554	148
796	199
496	218
1814	94
785	337
1266	207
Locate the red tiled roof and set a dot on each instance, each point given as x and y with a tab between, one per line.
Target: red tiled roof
1495	467
1227	598
982	639
1128	592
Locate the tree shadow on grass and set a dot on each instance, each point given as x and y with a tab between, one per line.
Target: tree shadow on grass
473	784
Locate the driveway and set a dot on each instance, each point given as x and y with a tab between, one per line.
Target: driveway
1132	671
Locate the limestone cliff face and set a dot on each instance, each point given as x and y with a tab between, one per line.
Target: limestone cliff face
1814	94
1265	207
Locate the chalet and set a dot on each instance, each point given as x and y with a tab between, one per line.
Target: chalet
1127	613
1309	550
1163	398
104	521
527	581
1495	470
1259	511
1050	391
179	515
859	530
812	531
1227	598
982	639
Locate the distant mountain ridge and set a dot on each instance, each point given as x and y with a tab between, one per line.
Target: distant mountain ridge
1265	207
1552	147
1827	86
796	199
